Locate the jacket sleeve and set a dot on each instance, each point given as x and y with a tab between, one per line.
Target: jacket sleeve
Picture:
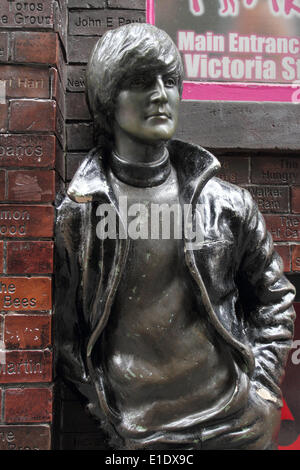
267	298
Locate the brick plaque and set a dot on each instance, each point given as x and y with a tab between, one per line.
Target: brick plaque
28	405
25	81
276	170
284	227
25	437
27	14
26	366
3	47
296	258
27	150
89	22
76	78
27	331
270	198
234	169
25	294
31	185
17	221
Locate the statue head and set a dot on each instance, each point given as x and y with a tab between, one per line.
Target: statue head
121	56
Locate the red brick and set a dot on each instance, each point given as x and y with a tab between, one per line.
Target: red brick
28	437
35	47
28	405
57	90
26	367
285	253
275	170
29	257
29	115
31	185
234	169
284	227
3	47
296	200
1	257
25	81
3	115
2	185
27	331
25	294
296	258
27	150
26	221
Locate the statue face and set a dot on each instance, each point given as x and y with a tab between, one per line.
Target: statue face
147	107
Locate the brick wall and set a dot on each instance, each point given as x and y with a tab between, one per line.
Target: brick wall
30	139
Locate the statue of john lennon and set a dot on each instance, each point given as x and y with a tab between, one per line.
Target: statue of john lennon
174	345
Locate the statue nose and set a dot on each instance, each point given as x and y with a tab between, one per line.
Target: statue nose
159	91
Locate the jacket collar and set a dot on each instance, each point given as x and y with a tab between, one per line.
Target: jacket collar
194	166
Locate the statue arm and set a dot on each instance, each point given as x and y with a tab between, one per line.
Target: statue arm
267	298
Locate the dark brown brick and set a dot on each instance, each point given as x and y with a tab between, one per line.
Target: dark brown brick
271	198
89	22
19	14
26	367
3	47
57	90
80	48
77	107
25	81
285	252
27	150
27	331
1	256
76	78
32	115
73	162
60	160
296	200
60	127
61	21
296	258
19	221
35	47
28	405
25	294
16	437
86	4
31	185
80	136
3	114
30	257
133	4
276	170
234	169
284	227
2	185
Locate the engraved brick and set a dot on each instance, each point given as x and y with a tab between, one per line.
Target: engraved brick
27	15
296	258
89	22
30	115
27	331
30	257
296	200
25	294
3	115
73	162
285	253
28	405
284	227
3	47
270	198
29	437
133	4
31	185
2	185
79	48
276	170
25	81
77	107
86	4
27	150
35	47
1	256
80	136
20	221
26	367
75	78
234	169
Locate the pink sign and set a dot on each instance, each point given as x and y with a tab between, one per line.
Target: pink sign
234	50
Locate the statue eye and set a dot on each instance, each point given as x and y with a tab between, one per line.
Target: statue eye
139	82
170	81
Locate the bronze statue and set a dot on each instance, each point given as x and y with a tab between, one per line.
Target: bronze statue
178	341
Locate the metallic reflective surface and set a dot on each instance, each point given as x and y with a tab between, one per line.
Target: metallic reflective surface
171	347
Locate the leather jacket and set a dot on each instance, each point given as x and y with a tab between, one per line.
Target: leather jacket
239	276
